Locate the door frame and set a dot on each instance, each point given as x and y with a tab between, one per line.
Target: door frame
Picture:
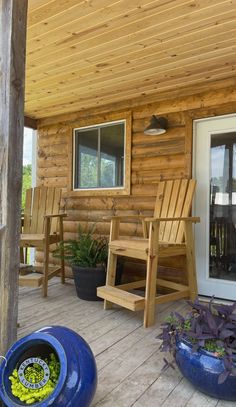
207	285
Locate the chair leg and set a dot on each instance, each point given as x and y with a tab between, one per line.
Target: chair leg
45	270
190	261
111	275
150	292
112	260
22	255
151	277
26	256
62	253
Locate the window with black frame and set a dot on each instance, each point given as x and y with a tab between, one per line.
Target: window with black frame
99	156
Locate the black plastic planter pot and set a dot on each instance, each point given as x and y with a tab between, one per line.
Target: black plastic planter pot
87	279
78	374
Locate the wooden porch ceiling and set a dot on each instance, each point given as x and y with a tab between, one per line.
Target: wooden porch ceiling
87	53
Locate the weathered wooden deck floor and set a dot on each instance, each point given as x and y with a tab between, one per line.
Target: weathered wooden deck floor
128	360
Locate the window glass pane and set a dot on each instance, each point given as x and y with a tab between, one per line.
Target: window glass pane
112	156
86	153
99	156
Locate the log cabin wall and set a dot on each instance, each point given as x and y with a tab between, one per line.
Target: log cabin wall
153	158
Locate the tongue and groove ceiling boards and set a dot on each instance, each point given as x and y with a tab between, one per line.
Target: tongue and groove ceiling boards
90	53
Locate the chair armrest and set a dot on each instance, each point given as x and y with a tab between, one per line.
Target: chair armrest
59	215
194	219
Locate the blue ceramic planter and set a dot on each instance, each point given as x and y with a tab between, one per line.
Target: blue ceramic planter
202	369
78	376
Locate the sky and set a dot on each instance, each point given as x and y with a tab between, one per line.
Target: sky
27	151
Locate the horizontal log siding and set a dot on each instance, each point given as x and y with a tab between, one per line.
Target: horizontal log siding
154	158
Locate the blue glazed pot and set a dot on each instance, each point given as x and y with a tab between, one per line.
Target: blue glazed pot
202	369
78	375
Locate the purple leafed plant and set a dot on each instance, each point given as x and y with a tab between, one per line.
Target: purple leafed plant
210	327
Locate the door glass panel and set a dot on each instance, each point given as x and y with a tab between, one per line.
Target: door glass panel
223	207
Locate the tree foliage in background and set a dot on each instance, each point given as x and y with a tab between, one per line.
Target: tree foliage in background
91	177
27	181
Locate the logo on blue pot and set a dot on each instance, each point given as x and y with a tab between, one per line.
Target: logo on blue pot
37	374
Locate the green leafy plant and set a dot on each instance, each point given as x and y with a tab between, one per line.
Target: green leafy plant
34	374
86	251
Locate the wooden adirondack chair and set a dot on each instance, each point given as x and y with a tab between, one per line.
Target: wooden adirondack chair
42	227
168	233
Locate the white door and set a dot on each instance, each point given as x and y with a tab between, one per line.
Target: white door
214	167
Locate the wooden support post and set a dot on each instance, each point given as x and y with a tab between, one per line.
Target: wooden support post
13	16
31	123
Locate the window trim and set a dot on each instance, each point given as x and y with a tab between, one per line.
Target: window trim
103	121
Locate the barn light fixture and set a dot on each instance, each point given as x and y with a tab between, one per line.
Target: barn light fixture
158	125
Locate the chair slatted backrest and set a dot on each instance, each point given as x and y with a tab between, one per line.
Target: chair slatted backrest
174	199
41	201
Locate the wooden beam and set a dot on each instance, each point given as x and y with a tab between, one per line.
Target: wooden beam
30	122
13	14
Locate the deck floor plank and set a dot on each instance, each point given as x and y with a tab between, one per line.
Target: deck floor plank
156	394
200	399
180	395
128	357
